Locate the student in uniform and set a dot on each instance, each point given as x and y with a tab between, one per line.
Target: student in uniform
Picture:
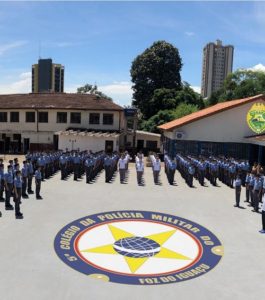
17	194
38	179
24	172
139	165
247	180
156	168
88	168
9	180
30	175
108	167
62	164
238	184
122	167
191	172
263	213
256	192
2	182
171	171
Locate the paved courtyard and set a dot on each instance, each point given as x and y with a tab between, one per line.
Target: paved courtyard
30	268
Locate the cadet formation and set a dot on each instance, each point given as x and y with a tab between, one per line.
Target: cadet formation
17	180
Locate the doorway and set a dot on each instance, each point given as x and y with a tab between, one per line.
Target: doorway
108	146
140	145
26	145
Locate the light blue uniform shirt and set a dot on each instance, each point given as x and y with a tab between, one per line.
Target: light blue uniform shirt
238	182
38	174
18	182
9	177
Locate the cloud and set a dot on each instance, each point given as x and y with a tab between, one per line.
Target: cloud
21	85
121	92
6	47
189	33
61	44
196	89
258	67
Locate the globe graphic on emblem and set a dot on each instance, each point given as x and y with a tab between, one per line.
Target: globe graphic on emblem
136	247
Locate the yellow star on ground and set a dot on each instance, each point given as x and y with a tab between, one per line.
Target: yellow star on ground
135	263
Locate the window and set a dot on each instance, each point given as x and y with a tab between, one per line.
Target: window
108	119
76	117
151	144
30	117
94	119
61	117
43	117
3	116
14	116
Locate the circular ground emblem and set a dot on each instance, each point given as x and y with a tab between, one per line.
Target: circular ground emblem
138	247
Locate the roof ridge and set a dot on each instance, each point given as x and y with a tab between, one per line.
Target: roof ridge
214	109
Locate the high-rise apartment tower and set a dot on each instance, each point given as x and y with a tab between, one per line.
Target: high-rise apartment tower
217	64
47	77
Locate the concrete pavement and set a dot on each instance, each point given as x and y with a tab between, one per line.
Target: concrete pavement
30	268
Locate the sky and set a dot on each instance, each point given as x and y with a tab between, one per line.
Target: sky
97	41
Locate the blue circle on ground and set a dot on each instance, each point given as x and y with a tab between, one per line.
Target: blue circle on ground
136	247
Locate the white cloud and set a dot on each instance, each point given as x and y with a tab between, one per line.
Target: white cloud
189	33
6	47
121	92
21	85
197	89
72	88
258	67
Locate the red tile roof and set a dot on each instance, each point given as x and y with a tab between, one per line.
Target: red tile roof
56	101
208	112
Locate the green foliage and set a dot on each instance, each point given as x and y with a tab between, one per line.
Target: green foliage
164	116
158	67
238	85
164	99
189	96
184	109
92	89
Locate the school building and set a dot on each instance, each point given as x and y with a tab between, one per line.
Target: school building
234	128
51	121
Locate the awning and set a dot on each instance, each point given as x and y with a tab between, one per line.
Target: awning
93	133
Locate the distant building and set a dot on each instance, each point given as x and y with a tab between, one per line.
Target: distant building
51	121
233	128
217	64
47	77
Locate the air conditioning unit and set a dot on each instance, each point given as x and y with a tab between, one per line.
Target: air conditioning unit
180	135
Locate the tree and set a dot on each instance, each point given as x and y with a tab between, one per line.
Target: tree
189	96
92	89
185	109
158	67
240	84
164	116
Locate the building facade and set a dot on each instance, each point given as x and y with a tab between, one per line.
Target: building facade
217	64
30	121
51	121
47	77
222	129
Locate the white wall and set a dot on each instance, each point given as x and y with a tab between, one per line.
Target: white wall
145	137
227	126
52	124
86	143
